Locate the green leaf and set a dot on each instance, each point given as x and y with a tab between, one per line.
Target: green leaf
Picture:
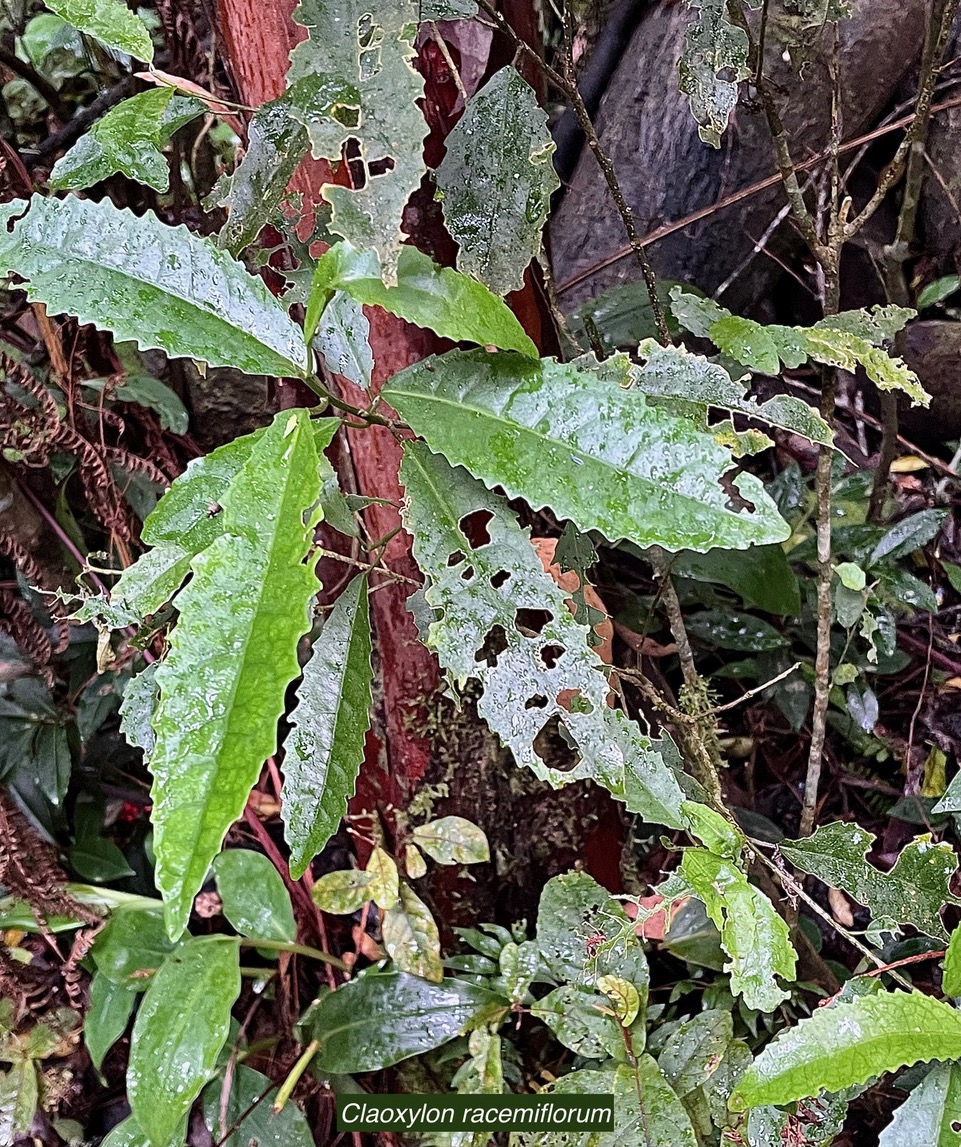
411	937
765	580
849	351
452	304
848	1044
111	1006
713	47
254	897
913	892
951	981
160	286
622	316
453	840
343	338
908	535
131	947
19	1099
127	1133
755	938
483	1073
695	1049
478	593
497	181
931	1115
252	1122
556	436
384	886
713	830
128	140
109	21
325	747
93	857
342	892
726	629
349	1022
936	292
371	53
179	1032
145	390
232	656
573	1014
852	577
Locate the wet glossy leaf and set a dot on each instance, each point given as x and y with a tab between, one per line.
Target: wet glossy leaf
554	435
694	1050
479	591
258	1124
713	48
180	1029
908	535
951	980
765	580
254	897
111	1006
913	892
144	390
342	892
498	182
622	317
387	90
233	654
936	292
411	937
575	1017
453	840
931	1115
128	140
160	286
109	21
454	305
136	709
725	629
713	830
624	998
384	885
483	1073
131	947
128	1134
755	938
849	1044
19	1099
349	1022
342	337
851	575
325	747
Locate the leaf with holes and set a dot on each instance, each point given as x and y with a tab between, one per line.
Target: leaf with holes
605	457
377	66
233	654
713	47
160	286
913	892
325	747
498	181
848	1044
109	21
452	304
503	621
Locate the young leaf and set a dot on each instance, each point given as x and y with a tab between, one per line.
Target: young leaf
453	840
161	286
377	65
128	140
384	884
411	936
483	1073
109	21
848	1044
483	593
349	1022
498	182
325	747
753	935
913	892
232	655
452	304
931	1115
111	1006
554	435
712	46
252	1121
180	1029
253	895
343	338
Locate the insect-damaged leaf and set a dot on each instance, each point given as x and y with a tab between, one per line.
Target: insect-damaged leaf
712	46
913	892
324	749
161	286
596	453
483	595
232	655
497	179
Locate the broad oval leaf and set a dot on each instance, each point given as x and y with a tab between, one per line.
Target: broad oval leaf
498	181
232	655
252	1122
131	947
848	1044
453	840
160	286
109	21
604	457
579	1019
343	338
180	1030
111	1006
325	747
384	883
254	897
349	1022
694	1051
342	892
411	936
454	305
